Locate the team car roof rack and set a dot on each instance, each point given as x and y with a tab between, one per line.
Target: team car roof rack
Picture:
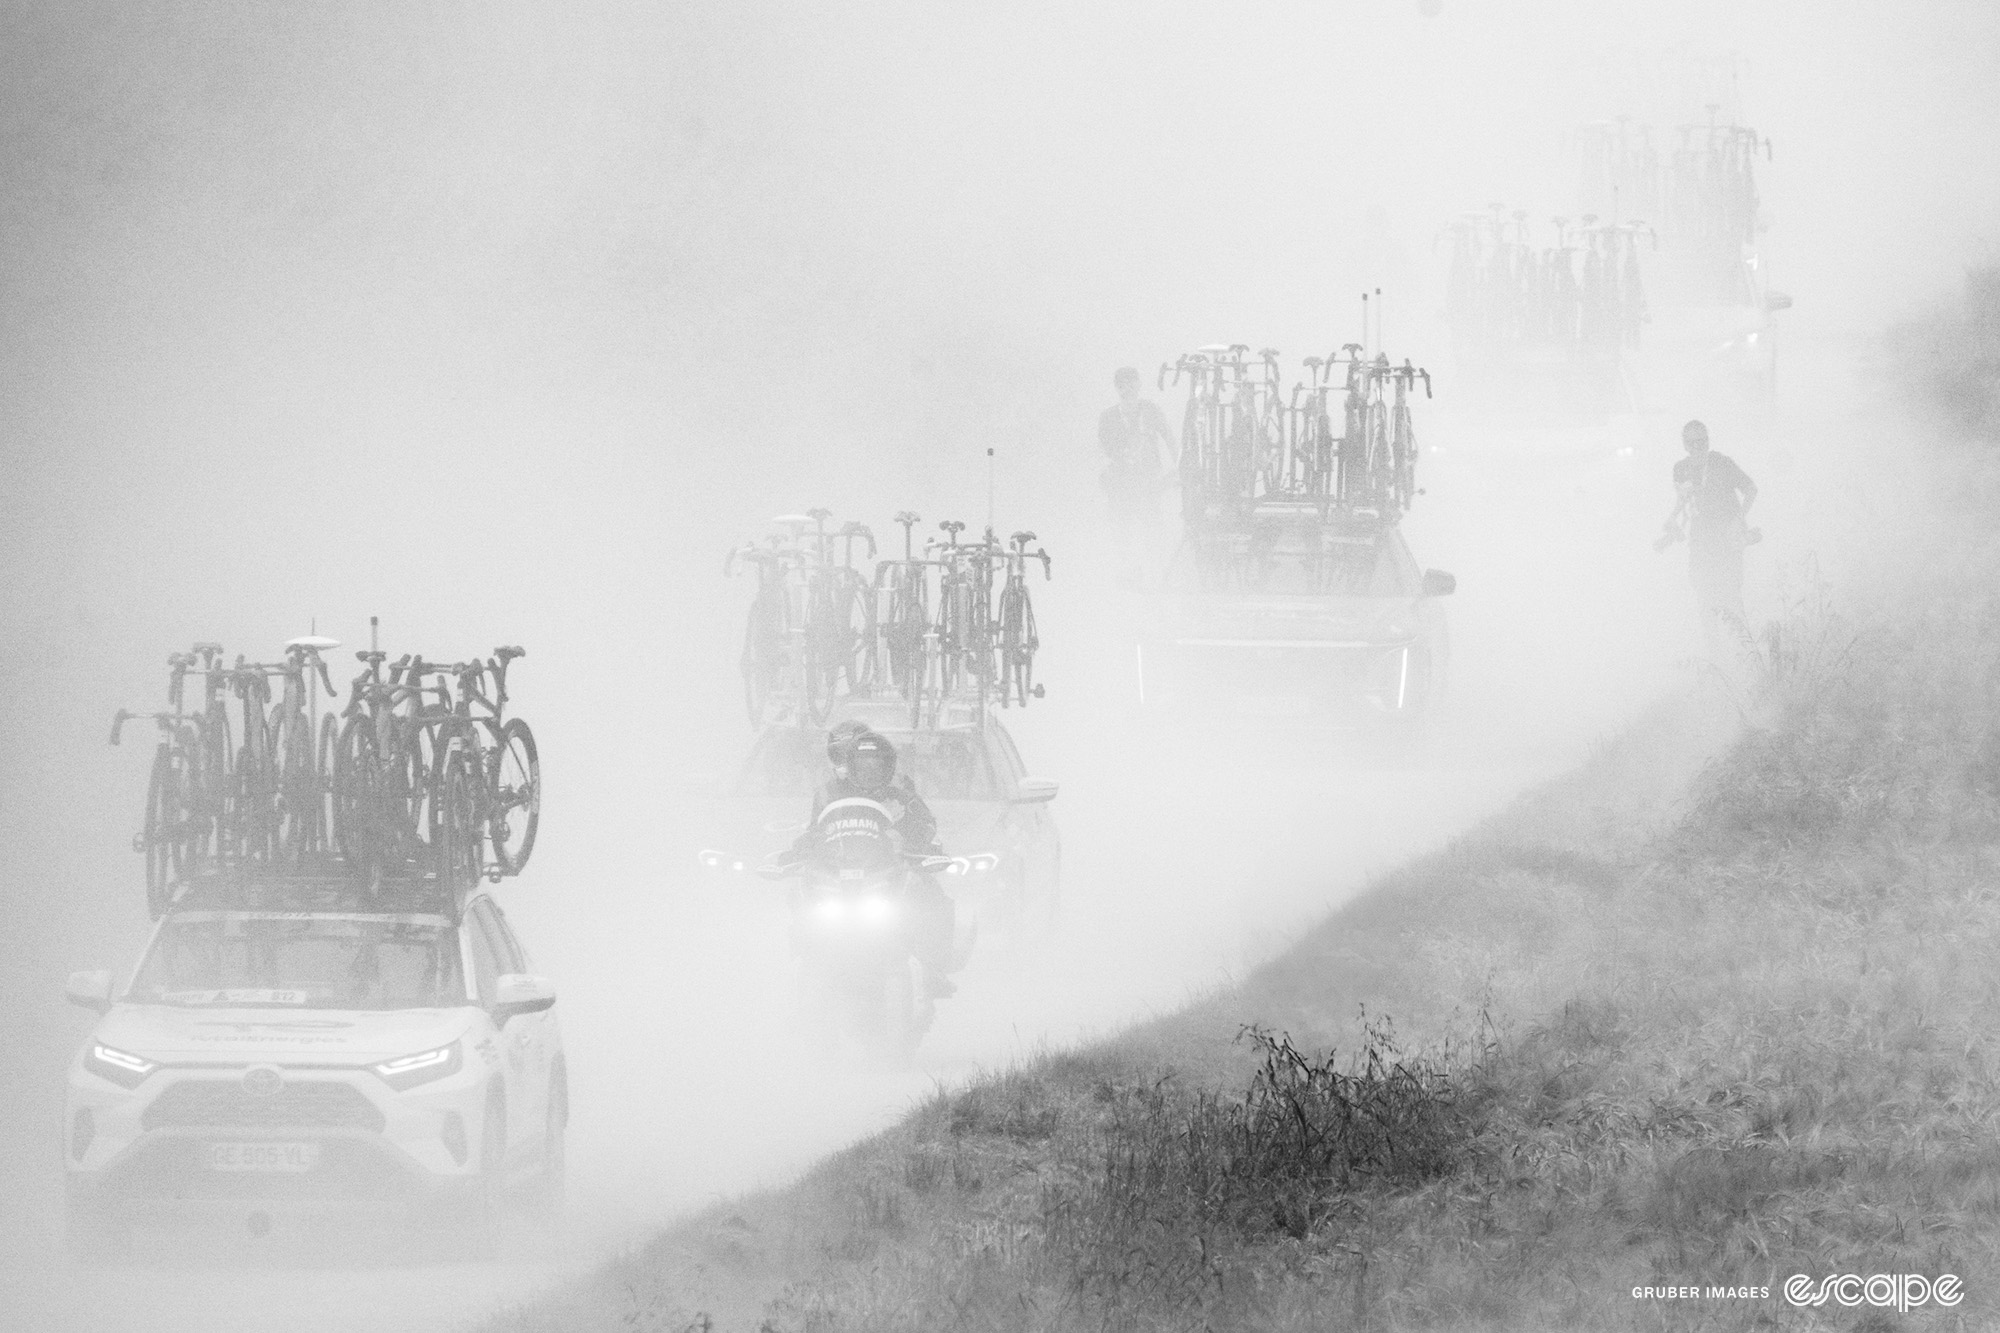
330	886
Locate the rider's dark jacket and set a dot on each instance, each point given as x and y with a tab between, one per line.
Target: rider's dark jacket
914	820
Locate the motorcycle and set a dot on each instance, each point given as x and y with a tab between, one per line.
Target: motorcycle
856	919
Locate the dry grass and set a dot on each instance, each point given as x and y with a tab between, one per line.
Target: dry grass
1658	1031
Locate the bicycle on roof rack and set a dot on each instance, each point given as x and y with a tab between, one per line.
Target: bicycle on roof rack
811	630
769	662
1319	466
1018	638
188	792
384	759
840	614
487	787
944	627
280	788
902	620
397	788
1232	428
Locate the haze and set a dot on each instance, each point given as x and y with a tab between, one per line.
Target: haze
503	323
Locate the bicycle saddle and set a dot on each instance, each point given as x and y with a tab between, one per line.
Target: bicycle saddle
317	642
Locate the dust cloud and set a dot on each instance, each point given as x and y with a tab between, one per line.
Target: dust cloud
504	323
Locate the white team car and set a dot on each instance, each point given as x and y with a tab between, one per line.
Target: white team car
302	1052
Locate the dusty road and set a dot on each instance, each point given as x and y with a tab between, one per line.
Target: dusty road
1183	866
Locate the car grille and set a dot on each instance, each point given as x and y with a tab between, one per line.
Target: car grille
216	1103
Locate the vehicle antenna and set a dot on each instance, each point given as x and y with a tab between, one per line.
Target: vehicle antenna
1381	339
989	488
1364	326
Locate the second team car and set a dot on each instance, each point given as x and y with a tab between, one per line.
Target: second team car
1339	621
968	771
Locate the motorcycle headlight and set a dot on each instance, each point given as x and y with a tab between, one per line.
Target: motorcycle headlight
121	1067
875	908
410	1071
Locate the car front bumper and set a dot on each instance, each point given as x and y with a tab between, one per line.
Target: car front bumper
152	1148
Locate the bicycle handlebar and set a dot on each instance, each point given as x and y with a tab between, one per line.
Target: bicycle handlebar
857	531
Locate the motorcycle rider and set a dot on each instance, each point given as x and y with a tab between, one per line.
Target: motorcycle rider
864	766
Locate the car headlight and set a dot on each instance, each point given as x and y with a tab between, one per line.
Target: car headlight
121	1067
409	1071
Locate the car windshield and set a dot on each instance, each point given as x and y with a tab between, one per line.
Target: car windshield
321	961
1364	569
944	765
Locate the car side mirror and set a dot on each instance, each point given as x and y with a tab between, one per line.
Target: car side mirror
1034	791
92	990
1776	301
1437	583
519	993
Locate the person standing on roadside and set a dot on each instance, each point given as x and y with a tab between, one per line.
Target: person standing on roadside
1712	499
1140	453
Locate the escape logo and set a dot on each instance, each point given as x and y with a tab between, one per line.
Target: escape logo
1901	1292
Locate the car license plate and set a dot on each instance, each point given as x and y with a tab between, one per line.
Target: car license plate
262	1156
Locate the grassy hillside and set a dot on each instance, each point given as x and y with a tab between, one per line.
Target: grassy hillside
1665	1023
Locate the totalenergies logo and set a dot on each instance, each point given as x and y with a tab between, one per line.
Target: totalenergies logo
1901	1292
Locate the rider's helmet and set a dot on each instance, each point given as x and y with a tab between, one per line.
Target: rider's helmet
840	741
871	761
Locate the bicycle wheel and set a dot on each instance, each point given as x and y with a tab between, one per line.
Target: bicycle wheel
323	760
256	795
514	784
1404	441
456	853
909	619
210	785
762	662
1381	479
816	677
1030	641
420	764
1013	641
160	838
949	635
294	787
855	609
1195	450
358	793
